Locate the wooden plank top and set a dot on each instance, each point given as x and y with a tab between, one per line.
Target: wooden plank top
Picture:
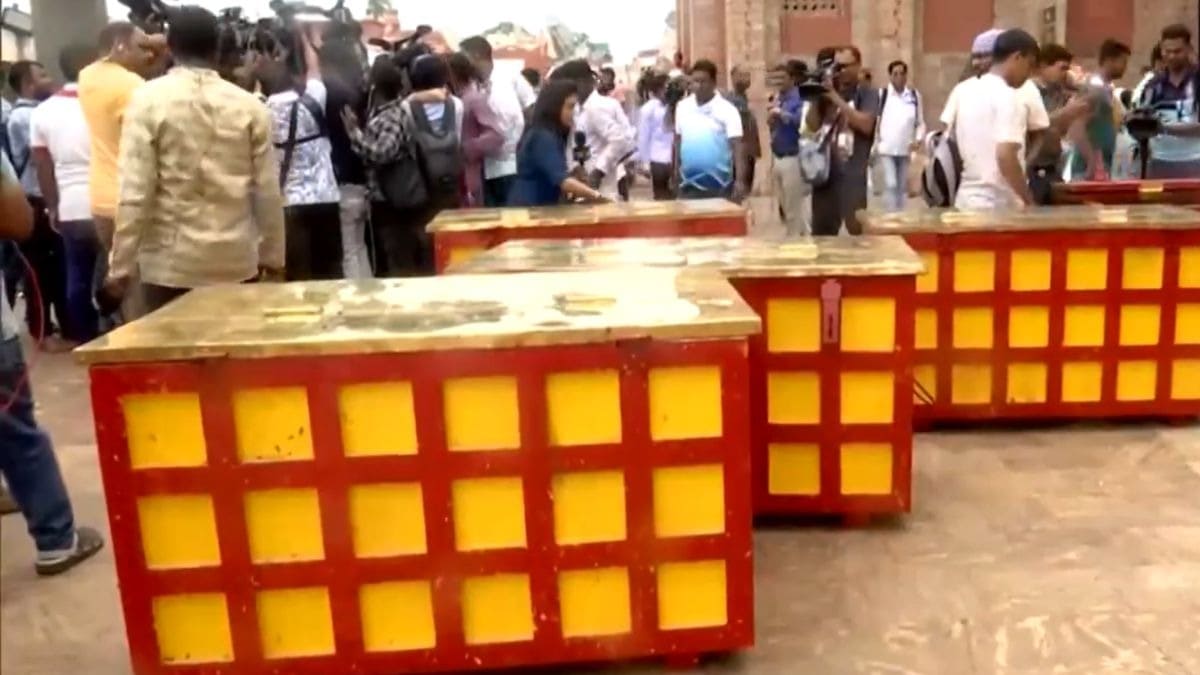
431	314
733	256
469	220
1042	218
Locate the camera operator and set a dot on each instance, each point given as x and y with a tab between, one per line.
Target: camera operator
199	195
1175	95
852	108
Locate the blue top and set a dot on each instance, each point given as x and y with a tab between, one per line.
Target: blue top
1174	104
541	169
785	130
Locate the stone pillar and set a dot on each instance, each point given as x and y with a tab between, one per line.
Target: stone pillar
58	23
747	46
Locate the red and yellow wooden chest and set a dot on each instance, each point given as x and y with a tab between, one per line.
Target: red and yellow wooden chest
1059	312
1183	192
460	234
430	475
831	376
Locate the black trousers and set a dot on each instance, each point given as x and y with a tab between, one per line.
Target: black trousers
660	180
46	255
495	190
314	241
402	248
1041	183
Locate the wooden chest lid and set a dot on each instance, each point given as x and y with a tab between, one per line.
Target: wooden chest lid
467	220
1042	218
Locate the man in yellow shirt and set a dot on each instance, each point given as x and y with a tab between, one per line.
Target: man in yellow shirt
105	88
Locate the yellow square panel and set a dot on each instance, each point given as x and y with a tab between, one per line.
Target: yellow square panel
178	531
164	430
489	513
685	403
928	282
692	595
295	622
1185	380
482	413
397	616
793	469
192	628
866	468
377	419
1027	383
974	271
387	519
272	424
284	526
461	254
1081	382
1187	324
973	327
1136	380
926	328
497	609
970	384
1189	267
689	500
868	397
1087	269
1030	270
584	408
1139	325
793	398
588	507
595	602
1083	326
926	376
1029	326
793	325
1143	268
868	325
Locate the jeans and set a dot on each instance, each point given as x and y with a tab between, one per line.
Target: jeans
82	250
795	195
356	261
44	251
895	181
402	247
27	458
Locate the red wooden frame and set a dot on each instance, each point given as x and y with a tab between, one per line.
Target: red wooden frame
944	356
1184	192
829	434
671	226
225	479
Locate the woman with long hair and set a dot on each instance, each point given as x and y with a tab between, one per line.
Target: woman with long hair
543	176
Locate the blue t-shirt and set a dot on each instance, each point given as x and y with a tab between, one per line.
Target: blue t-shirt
704	130
541	169
1175	105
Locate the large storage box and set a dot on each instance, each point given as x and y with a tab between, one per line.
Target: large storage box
1057	312
430	475
831	376
460	234
1183	192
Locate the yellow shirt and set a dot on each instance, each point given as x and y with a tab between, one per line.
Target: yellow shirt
104	92
199	200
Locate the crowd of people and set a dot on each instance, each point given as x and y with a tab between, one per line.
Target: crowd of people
158	166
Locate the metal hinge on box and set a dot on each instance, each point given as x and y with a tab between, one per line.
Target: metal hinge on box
831	312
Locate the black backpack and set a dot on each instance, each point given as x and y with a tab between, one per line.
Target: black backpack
429	171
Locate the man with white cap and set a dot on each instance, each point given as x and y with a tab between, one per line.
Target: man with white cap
981	63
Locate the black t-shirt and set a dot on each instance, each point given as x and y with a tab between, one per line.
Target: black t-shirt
347	167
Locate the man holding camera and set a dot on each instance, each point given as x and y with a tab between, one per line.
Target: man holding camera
852	108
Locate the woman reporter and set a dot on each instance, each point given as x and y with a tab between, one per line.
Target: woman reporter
543	177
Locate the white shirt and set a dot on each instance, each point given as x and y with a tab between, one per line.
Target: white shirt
8	320
1028	97
58	125
704	130
509	94
992	114
610	138
902	122
656	143
310	177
